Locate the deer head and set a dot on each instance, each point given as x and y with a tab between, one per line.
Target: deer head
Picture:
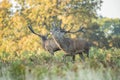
58	31
47	43
43	37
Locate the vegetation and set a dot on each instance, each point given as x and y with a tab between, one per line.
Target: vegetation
23	58
102	65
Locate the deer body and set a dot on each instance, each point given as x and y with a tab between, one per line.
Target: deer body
69	45
48	44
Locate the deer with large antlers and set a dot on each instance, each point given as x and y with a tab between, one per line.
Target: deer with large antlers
47	44
70	46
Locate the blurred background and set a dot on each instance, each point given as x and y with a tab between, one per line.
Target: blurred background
22	56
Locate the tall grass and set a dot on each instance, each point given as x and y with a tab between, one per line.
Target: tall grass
102	65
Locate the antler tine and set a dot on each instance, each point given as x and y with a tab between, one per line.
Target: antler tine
70	29
80	29
53	25
64	27
47	34
60	24
31	29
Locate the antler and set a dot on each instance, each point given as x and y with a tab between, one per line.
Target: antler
31	29
56	26
69	31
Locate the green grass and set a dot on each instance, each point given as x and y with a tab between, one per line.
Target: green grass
102	65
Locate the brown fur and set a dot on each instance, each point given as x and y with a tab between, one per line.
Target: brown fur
50	46
69	45
47	44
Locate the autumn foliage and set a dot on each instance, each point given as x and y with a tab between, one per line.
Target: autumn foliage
15	37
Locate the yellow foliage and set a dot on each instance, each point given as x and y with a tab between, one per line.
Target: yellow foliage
2	12
5	4
8	46
73	36
14	34
29	42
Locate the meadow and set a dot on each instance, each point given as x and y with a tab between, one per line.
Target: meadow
101	65
21	54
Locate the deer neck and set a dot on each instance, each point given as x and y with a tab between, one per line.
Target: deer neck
43	38
61	42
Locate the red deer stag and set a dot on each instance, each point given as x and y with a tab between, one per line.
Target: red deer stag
47	44
70	46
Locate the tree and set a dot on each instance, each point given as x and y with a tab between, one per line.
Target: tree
104	32
16	38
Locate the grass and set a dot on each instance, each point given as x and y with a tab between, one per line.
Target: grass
102	65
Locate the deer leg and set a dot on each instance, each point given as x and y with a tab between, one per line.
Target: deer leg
64	58
65	55
81	56
73	57
51	52
87	52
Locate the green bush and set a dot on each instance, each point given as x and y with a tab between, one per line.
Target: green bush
101	65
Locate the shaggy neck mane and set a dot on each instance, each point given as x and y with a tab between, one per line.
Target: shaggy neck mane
60	42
